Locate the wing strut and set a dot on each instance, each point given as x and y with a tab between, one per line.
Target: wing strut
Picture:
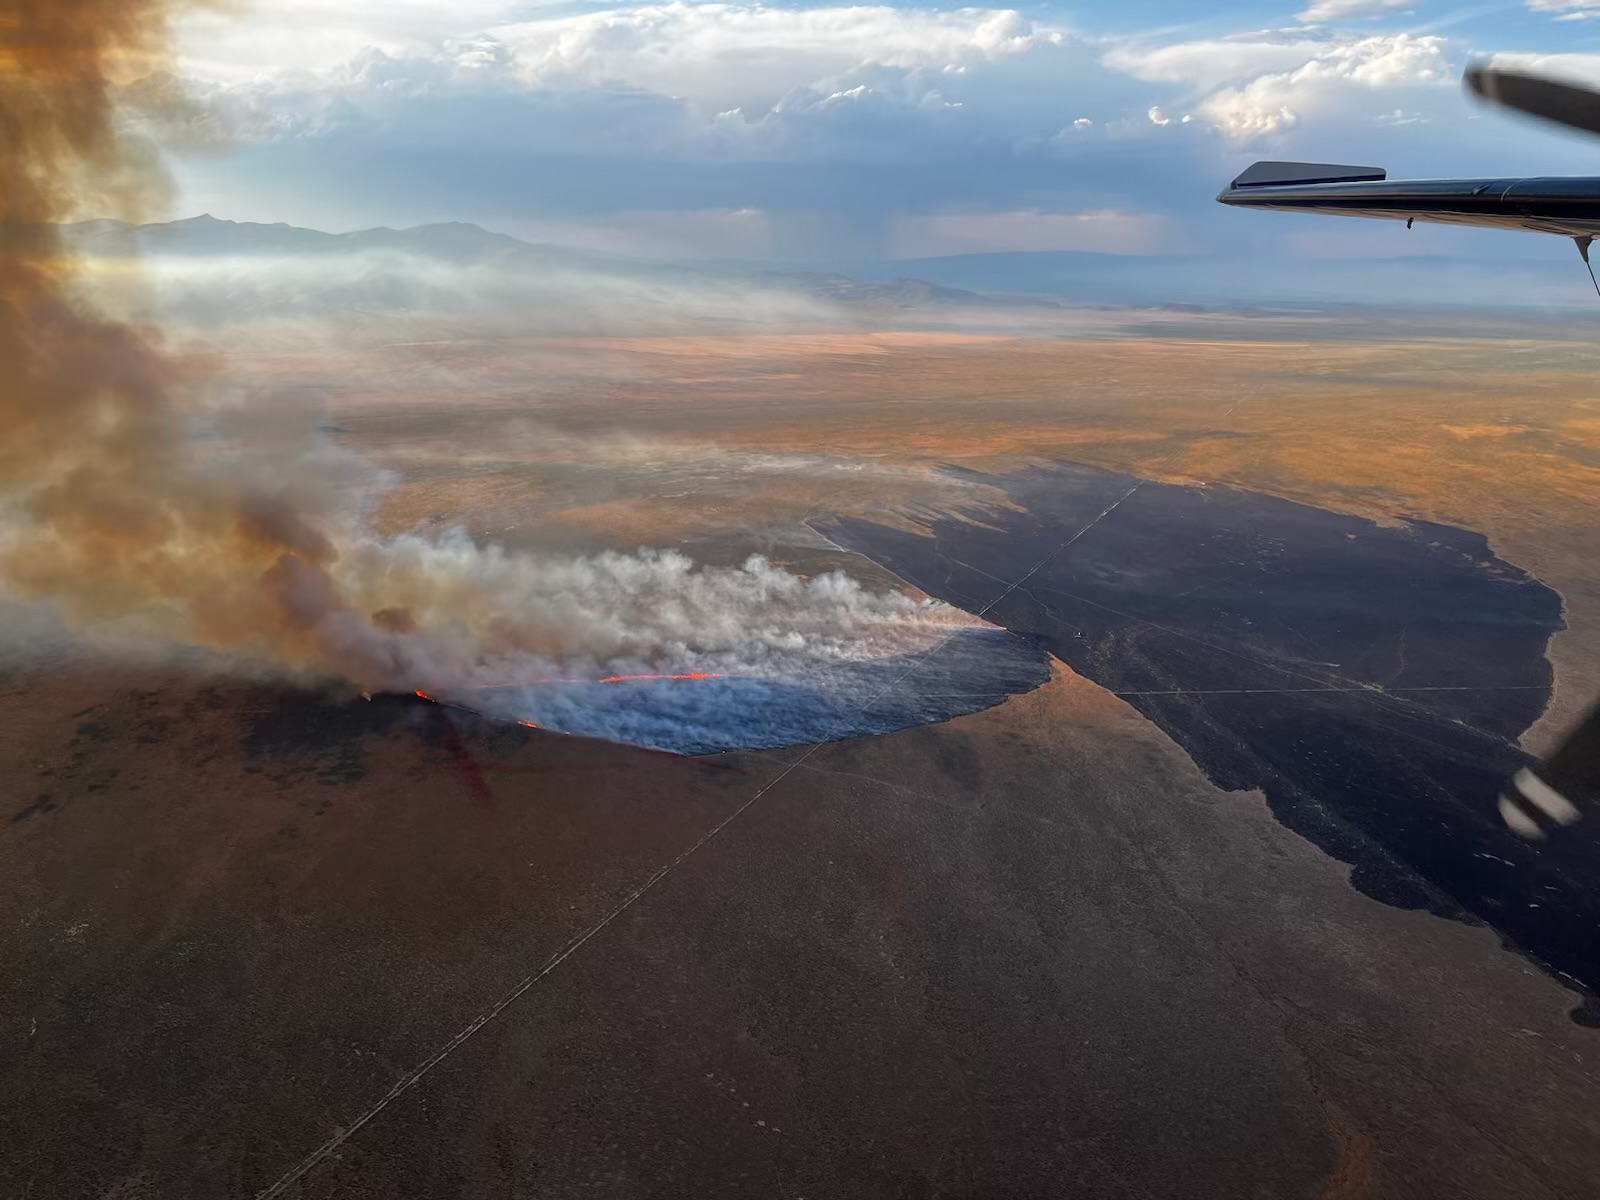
1583	244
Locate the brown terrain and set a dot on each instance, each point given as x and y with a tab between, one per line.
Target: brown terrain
271	940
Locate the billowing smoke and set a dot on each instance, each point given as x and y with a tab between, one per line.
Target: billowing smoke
478	613
114	510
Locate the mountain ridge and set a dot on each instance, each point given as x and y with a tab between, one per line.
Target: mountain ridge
1021	279
463	244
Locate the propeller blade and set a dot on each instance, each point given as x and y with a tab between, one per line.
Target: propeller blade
1563	103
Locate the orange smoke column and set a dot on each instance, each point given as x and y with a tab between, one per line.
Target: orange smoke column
83	399
108	509
59	146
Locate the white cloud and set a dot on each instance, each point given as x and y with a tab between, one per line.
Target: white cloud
1255	87
1214	62
725	81
745	56
716	57
230	42
1320	11
749	82
1567	10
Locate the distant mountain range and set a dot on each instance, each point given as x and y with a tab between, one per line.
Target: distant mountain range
461	244
1020	280
205	235
1088	278
902	291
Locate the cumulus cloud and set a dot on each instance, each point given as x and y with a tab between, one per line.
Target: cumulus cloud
717	57
718	79
749	56
747	82
1214	62
238	43
1276	101
1268	85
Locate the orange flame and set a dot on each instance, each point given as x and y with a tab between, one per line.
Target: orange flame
489	687
687	675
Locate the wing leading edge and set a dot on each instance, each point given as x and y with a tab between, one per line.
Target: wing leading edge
1569	206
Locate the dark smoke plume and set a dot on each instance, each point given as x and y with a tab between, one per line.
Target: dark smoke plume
109	512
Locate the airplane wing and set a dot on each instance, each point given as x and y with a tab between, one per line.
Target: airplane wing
1568	206
1565	788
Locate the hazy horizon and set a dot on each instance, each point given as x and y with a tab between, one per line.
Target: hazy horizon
1548	277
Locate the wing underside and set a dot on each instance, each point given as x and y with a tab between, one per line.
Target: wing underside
1560	205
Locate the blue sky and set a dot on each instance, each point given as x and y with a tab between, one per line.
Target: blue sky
842	131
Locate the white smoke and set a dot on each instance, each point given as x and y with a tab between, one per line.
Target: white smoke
481	614
208	291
